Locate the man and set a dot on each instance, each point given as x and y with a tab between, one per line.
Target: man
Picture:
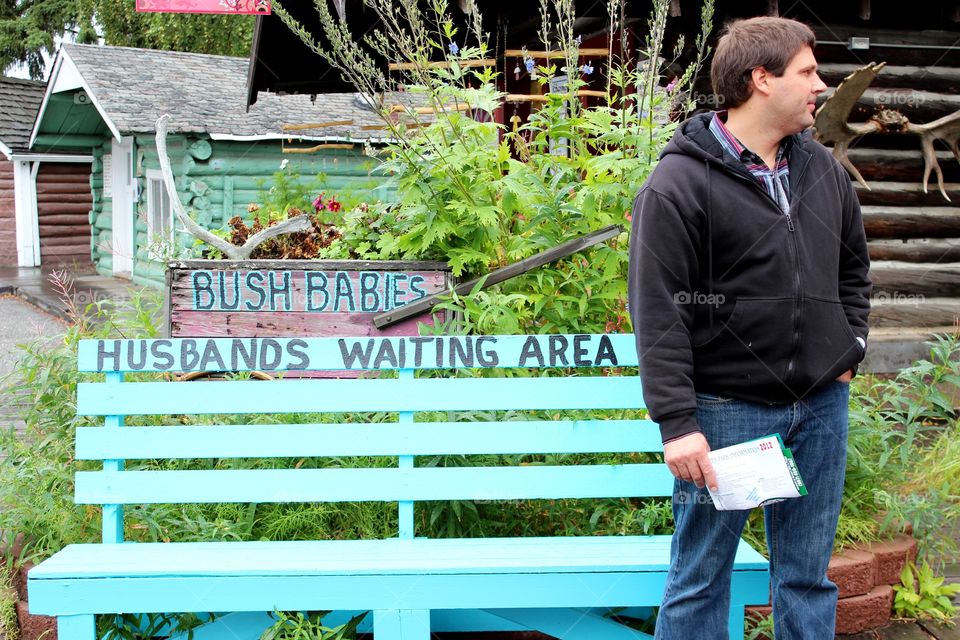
749	297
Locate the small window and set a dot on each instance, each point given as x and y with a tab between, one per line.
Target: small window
159	217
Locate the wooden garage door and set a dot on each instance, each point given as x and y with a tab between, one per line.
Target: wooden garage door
8	220
63	209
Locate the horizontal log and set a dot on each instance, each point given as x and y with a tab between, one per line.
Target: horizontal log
60	219
60	241
900	165
892	278
200	149
81	188
328	164
74	198
904	193
46	232
63	173
46	208
929	78
911	222
918	105
914	312
946	55
916	250
82	248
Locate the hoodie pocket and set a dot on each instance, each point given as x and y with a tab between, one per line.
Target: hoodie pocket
752	348
828	346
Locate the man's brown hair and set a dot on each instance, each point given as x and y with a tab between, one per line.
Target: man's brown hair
755	42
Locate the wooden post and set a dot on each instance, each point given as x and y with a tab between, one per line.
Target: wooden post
865	9
773	8
227	198
675	9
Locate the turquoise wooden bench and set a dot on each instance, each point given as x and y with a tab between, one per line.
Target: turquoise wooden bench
561	586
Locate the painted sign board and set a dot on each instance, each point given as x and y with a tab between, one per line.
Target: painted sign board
359	353
239	7
284	298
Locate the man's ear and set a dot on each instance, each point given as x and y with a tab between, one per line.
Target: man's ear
760	78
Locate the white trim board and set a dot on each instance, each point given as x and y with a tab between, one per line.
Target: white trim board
50	157
25	211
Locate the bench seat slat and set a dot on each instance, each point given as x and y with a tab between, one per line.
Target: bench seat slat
286	593
389	439
359	485
295	396
370	557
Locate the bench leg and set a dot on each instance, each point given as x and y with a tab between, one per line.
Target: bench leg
76	628
736	624
401	624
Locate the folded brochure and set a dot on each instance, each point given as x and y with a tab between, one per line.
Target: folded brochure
755	473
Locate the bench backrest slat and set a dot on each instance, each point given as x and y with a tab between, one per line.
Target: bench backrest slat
345	396
390	439
358	485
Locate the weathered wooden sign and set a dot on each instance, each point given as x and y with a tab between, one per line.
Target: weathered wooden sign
357	354
296	297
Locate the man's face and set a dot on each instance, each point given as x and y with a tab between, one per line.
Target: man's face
793	95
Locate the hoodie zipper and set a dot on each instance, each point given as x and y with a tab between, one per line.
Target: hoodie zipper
797	285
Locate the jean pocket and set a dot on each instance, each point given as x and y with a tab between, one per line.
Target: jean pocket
712	398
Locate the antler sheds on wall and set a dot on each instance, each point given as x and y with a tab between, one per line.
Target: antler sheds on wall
833	127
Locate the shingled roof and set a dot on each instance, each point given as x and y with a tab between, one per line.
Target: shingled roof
19	102
205	94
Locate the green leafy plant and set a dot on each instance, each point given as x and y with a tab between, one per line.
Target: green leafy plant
921	594
136	626
758	628
481	195
295	625
8	604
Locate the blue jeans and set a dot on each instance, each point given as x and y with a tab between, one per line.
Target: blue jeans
800	531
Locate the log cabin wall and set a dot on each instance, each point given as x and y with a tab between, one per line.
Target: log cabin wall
914	237
8	219
63	210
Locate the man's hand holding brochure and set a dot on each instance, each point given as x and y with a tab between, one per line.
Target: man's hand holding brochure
755	473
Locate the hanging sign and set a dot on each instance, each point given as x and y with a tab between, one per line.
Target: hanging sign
240	7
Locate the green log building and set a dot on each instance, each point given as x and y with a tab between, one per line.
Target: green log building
105	101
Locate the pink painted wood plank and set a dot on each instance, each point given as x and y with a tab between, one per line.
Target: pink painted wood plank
240	7
207	324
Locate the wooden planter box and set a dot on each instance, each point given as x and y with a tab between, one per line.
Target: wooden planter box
269	298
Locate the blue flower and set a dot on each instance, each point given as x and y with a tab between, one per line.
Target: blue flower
454	49
529	63
586	69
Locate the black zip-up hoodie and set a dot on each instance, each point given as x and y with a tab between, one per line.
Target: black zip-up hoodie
731	296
